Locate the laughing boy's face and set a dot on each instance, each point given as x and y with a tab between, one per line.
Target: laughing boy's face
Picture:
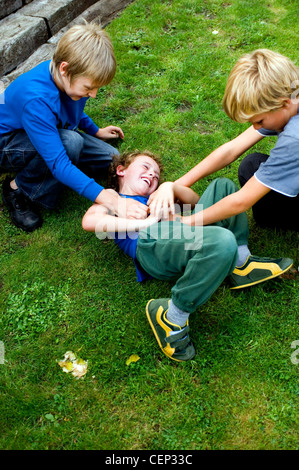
140	178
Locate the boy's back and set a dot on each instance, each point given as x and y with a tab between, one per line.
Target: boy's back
37	84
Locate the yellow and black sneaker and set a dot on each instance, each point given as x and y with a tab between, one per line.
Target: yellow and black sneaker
172	339
257	269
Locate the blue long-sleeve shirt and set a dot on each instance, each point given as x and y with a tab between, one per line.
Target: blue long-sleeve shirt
35	104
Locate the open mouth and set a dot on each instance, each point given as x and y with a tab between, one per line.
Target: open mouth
146	180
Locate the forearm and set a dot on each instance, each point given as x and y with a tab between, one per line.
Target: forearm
221	157
110	199
185	195
224	209
218	159
231	205
112	224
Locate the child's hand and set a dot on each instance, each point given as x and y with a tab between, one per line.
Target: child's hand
161	202
150	220
131	209
110	132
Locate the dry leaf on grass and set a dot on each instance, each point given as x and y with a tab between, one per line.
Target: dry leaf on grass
77	366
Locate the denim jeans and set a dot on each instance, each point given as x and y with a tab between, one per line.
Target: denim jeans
17	154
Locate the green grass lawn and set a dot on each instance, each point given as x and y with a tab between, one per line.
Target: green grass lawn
63	289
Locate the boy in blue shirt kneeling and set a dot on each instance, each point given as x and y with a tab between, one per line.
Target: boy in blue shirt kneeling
41	122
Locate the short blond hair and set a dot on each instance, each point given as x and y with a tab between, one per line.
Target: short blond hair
258	83
88	51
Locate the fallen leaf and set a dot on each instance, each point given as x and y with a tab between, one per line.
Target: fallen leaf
78	367
67	366
290	274
132	358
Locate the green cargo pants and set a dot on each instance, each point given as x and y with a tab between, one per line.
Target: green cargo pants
197	258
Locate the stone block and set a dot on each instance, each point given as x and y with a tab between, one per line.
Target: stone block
20	33
45	52
56	13
103	11
109	9
20	36
6	8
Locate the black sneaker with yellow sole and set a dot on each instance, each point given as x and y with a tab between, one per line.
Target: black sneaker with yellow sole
257	269
172	339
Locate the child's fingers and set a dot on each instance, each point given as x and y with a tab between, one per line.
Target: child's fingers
165	210
136	211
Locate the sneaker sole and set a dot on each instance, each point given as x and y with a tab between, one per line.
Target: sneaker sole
157	337
262	280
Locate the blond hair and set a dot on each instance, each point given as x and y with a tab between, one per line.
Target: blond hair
259	83
88	51
125	159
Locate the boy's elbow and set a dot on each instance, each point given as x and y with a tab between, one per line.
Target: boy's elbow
87	224
241	204
84	224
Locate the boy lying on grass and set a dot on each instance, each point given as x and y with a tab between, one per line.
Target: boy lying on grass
196	258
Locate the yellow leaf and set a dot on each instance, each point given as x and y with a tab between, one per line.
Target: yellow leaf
132	358
67	366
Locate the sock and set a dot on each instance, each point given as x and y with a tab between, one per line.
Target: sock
176	316
243	253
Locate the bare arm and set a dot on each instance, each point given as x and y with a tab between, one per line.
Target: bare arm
161	202
123	207
98	219
221	157
233	204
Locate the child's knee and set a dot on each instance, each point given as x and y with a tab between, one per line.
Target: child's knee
73	143
228	247
225	185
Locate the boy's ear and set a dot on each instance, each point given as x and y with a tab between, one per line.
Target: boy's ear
63	68
285	102
120	170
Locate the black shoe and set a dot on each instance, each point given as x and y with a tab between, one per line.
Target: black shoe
21	210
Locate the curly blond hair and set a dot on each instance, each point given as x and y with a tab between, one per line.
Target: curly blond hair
125	159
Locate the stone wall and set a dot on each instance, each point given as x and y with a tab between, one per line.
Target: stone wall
30	29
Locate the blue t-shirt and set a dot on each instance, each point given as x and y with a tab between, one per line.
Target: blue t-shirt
127	242
33	103
280	172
